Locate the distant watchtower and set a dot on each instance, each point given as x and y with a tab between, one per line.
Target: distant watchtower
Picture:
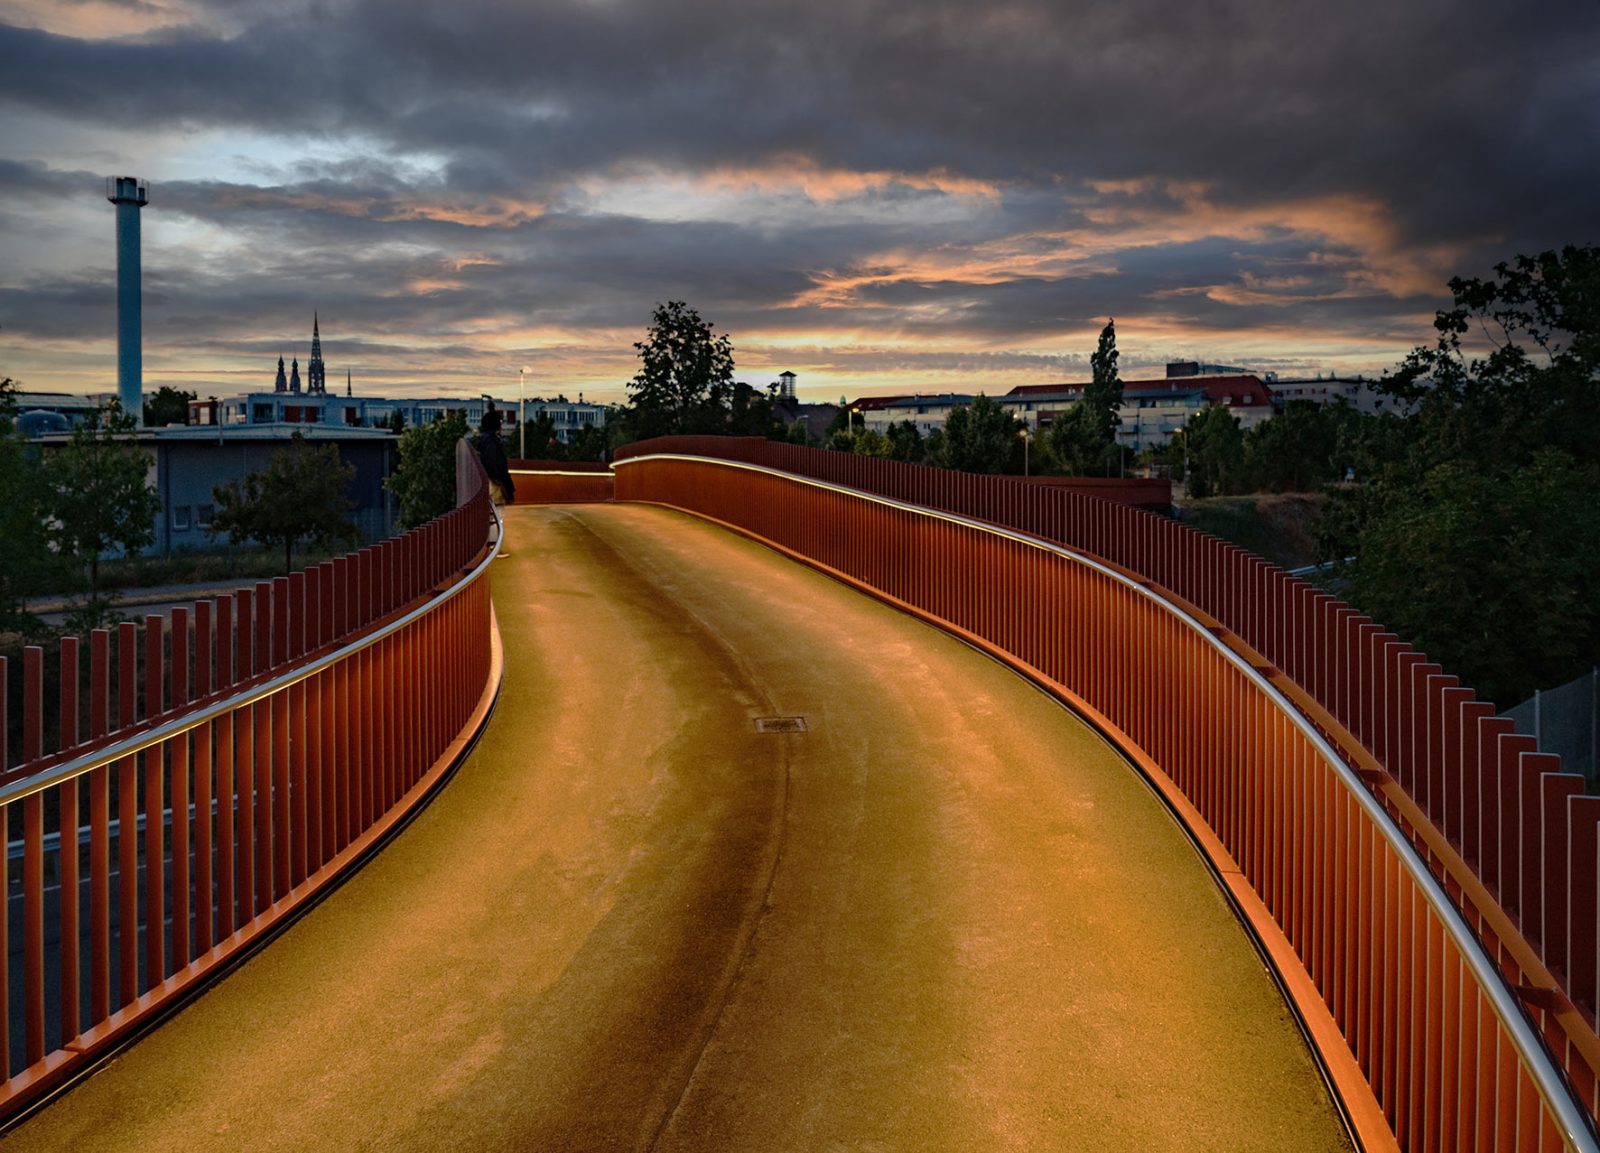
129	194
785	386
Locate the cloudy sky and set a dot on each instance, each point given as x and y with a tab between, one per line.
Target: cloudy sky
879	195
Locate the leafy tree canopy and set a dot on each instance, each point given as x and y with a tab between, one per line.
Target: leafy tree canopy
1472	533
588	443
538	437
299	496
1302	448
1209	450
166	406
424	477
99	495
28	565
1493	574
905	442
1083	440
685	377
749	411
980	437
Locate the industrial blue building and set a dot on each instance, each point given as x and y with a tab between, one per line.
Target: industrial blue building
192	461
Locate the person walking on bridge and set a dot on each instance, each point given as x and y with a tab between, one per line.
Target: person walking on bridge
493	456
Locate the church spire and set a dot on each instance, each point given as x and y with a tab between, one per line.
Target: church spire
347	391
282	383
316	376
294	375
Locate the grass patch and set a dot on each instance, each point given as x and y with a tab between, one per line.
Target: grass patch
1281	527
201	567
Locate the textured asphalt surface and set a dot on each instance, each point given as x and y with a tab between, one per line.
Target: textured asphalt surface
944	917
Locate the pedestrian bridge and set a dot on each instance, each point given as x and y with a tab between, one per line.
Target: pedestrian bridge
1135	849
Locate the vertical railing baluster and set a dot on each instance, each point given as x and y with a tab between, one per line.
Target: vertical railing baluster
67	854
128	819
32	862
229	756
204	842
178	786
265	729
99	832
246	730
282	829
155	857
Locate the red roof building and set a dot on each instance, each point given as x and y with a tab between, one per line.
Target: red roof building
1151	410
1241	391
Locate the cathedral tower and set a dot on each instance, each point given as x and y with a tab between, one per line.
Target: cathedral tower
316	375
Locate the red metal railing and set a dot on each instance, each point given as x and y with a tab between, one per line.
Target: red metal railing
215	772
543	482
1424	881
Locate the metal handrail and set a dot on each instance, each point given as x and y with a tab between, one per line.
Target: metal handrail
194	718
1552	1086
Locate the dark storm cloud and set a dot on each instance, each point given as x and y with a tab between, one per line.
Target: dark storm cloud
1466	108
29	179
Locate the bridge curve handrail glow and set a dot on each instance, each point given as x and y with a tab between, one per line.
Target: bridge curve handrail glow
852	537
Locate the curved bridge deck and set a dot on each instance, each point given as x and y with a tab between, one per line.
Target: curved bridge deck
945	916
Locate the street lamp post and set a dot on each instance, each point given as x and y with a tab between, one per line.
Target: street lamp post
1025	439
522	419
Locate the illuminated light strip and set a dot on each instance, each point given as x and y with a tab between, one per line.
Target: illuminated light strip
559	472
1551	1084
138	742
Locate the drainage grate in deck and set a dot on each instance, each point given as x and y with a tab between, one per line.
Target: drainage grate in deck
780	724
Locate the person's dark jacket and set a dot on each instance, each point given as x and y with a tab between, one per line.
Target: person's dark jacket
493	456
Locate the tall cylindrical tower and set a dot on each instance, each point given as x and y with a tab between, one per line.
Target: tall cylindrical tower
129	194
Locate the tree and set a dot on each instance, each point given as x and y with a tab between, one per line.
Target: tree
1212	447
588	443
905	442
1295	450
168	406
871	442
539	435
1084	438
841	429
1494	575
299	496
99	497
1539	317
28	567
1471	532
749	411
980	437
424	477
685	375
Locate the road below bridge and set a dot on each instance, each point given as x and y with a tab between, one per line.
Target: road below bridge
946	915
